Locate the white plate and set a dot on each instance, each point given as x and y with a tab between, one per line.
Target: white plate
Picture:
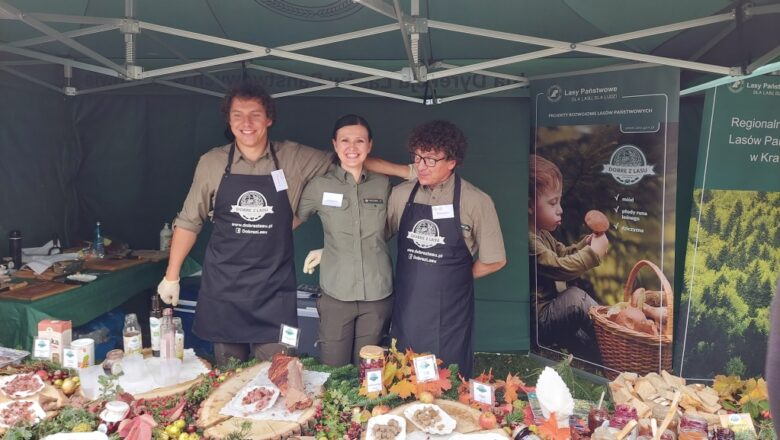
384	419
40	414
18	395
82	277
447	421
250	409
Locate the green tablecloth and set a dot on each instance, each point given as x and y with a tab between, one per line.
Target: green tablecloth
19	319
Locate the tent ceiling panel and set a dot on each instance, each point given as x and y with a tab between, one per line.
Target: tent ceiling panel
187	36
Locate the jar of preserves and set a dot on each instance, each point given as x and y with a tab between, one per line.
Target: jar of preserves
113	362
372	357
692	428
597	417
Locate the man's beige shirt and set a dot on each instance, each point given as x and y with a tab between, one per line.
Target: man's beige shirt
478	217
299	163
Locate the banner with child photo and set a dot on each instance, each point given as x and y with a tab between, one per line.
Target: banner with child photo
732	260
602	186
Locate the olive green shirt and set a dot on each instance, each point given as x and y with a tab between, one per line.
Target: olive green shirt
355	263
478	217
556	263
298	162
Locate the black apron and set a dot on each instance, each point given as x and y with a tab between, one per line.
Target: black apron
248	285
434	286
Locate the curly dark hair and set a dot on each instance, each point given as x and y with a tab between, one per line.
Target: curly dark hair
249	90
441	136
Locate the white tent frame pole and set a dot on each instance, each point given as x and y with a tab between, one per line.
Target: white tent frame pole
714	41
73	19
563	46
480	92
767	57
197	65
442	64
51	32
495	63
31	79
327	84
612	68
340	37
70	34
127	84
24	63
410	57
279	52
378	6
152	36
58	60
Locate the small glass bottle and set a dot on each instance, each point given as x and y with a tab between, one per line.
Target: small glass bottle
167	335
98	245
165	237
154	324
131	334
179	337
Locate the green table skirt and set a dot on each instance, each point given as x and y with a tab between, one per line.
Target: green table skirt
19	319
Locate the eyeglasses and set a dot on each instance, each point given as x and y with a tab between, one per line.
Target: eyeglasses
428	161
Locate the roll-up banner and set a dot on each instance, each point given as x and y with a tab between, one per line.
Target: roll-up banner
733	253
601	217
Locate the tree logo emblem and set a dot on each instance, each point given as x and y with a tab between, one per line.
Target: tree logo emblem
252	206
628	165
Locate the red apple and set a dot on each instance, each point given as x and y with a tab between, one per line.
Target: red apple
379	410
43	374
487	420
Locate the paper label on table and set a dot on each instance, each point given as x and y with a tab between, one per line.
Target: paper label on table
70	358
425	368
289	336
280	182
738	422
482	393
42	349
443	211
332	199
374	380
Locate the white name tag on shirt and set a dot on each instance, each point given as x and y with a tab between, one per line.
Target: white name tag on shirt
332	199
443	211
280	182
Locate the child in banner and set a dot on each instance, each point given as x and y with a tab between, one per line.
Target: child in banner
561	311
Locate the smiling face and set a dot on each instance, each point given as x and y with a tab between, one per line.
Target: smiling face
249	123
547	209
352	144
431	176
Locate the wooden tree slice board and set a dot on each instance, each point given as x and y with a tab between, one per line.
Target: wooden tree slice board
218	426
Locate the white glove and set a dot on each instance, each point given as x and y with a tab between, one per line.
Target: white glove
169	291
312	260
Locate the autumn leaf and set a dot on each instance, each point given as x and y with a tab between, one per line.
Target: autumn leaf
464	390
436	387
485	377
388	373
510	386
727	386
403	388
755	391
550	430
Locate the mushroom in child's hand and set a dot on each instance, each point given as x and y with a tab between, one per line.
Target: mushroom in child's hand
597	221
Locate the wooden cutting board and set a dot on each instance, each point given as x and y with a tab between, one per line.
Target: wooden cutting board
112	265
36	291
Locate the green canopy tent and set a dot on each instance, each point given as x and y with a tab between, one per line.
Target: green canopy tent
106	105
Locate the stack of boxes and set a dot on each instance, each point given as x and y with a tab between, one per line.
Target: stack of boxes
59	334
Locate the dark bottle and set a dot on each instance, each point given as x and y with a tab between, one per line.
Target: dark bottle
15	248
155	316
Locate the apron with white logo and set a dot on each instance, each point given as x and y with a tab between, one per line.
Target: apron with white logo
434	286
248	287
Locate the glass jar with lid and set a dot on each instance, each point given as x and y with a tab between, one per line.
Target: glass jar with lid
372	357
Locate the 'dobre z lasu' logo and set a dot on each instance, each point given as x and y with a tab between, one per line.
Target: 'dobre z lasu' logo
628	165
252	206
425	234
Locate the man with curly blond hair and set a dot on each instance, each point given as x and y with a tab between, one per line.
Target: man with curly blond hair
448	235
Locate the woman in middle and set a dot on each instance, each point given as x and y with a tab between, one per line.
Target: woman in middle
356	274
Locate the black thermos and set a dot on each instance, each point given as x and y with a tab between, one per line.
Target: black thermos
15	248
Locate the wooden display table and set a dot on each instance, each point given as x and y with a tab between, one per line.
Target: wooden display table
217	426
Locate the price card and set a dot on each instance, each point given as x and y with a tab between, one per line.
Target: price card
374	380
42	349
425	368
280	182
482	393
289	336
69	358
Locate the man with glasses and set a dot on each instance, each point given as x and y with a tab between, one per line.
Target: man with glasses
442	222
